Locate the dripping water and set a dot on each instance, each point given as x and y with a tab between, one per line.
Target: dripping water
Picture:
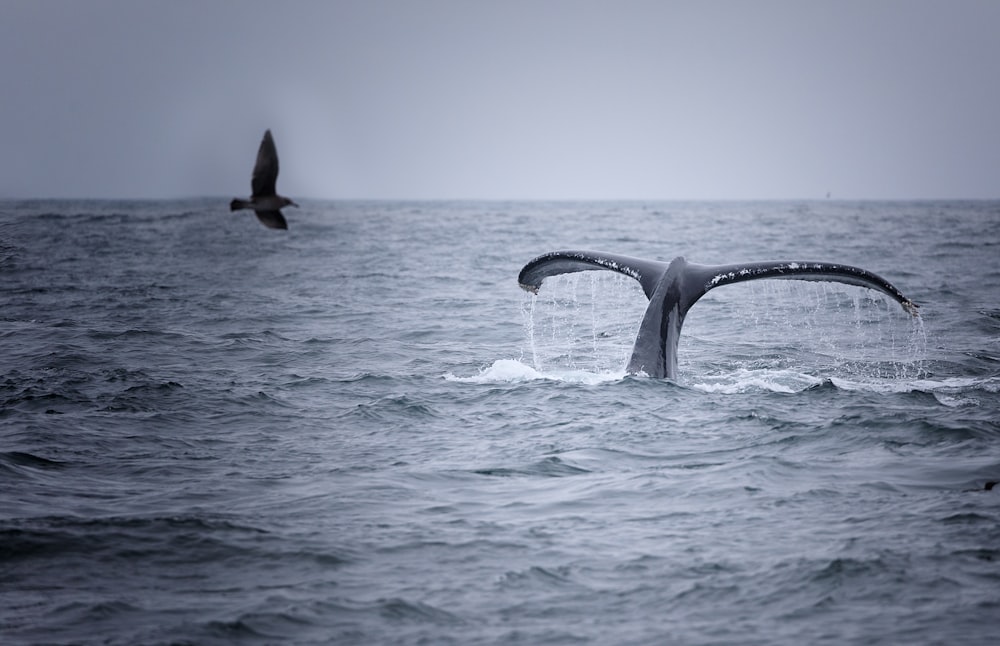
589	320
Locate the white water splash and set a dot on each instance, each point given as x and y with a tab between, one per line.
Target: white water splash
513	371
765	380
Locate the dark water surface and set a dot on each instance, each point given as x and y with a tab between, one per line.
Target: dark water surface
362	431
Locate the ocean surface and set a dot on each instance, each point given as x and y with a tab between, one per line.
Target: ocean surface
361	431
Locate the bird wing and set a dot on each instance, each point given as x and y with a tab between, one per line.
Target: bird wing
272	219
265	171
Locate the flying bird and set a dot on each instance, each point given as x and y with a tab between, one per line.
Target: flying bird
265	201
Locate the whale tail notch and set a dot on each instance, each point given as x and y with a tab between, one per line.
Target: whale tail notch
673	288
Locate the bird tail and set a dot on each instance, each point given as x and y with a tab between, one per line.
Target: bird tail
238	204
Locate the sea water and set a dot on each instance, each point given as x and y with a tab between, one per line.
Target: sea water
362	431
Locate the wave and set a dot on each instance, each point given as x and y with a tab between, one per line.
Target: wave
513	371
763	380
739	381
18	459
279	619
184	543
951	391
400	407
550	467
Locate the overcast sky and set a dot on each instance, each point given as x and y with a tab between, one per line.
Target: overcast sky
620	99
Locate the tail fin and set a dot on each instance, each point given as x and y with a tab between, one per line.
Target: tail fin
672	290
713	276
647	272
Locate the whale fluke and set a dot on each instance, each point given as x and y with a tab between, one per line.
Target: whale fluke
265	201
672	288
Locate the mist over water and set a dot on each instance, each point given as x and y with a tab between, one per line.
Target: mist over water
362	430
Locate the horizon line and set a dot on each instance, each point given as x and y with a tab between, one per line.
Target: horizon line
226	199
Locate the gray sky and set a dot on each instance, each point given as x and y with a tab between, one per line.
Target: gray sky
506	99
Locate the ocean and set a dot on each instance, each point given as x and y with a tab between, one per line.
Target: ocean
361	431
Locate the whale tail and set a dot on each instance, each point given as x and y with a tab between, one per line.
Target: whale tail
672	288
